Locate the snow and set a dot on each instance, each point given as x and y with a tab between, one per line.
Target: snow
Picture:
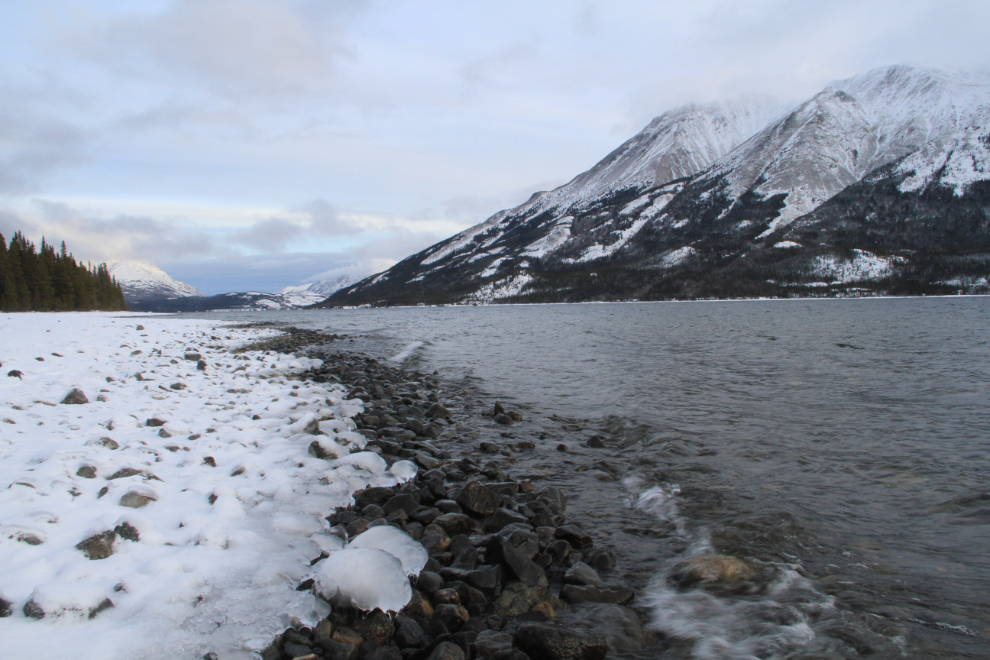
599	251
505	288
863	266
139	278
202	576
552	241
786	244
493	267
678	256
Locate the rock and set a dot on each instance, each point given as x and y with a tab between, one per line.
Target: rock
714	572
323	630
415	426
294	650
454	523
504	420
516	417
401	502
452	615
561	447
499	410
192	357
6	608
528	572
582	574
375	495
408	633
155	421
377	627
178	386
601	559
123	473
429	582
438	410
447	651
479	499
210	461
617	594
445	597
502	518
595	442
517	598
548	642
140	327
108	443
333	650
419	609
435	543
33	611
201	365
349	636
86	472
162	433
75	397
493	645
136	500
384	653
575	536
126	531
16	373
98	546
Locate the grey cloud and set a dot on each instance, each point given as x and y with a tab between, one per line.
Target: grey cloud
272	235
485	70
34	144
326	221
253	47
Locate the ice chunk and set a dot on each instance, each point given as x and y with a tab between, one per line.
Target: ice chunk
365	460
403	470
365	578
395	542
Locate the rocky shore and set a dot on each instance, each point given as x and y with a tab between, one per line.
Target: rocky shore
505	563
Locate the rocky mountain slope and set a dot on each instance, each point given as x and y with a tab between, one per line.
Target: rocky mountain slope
876	185
141	280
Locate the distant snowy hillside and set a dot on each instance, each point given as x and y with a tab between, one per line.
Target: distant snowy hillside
323	288
890	168
139	279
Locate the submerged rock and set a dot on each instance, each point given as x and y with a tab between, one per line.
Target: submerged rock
715	573
553	643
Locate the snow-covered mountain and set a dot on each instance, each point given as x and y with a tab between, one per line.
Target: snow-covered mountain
323	288
855	190
139	279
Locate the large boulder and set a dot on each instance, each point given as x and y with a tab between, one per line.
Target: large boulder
552	643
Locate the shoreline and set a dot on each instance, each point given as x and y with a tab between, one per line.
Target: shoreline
504	561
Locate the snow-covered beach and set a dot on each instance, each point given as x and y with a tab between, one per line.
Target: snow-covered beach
183	491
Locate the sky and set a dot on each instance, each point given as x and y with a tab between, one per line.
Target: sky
257	144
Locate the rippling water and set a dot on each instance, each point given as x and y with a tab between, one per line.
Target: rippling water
842	444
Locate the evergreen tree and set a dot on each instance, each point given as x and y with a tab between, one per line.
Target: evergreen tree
42	280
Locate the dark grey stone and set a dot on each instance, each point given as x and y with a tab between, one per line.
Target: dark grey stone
479	499
447	651
548	642
502	518
75	397
582	574
617	594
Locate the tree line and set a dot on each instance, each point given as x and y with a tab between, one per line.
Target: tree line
45	280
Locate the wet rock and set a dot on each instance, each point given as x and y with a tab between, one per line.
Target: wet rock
518	598
452	615
582	574
75	397
429	582
493	645
375	495
595	442
499	410
552	643
715	573
435	543
334	650
561	447
295	650
401	502
447	651
521	566
385	653
98	546
349	636
408	633
479	499
601	559
454	523
504	420
438	410
503	518
377	627
136	500
575	536
617	594
86	472
356	526
514	416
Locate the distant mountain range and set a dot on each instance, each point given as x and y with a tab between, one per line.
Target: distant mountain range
877	185
148	288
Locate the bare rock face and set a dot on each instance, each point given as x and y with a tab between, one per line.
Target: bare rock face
98	546
75	397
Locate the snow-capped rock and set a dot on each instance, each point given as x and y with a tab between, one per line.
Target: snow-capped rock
139	279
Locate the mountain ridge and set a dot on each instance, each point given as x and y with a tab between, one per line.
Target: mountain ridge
641	225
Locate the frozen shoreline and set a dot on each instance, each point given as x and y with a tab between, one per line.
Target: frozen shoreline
232	501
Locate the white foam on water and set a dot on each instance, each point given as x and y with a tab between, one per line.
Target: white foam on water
406	352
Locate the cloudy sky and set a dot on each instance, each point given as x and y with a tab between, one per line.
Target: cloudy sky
255	144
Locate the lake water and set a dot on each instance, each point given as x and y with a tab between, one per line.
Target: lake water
843	444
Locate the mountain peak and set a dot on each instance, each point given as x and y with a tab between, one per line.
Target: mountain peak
140	279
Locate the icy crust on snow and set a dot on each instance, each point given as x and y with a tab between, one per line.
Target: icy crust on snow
863	266
233	507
